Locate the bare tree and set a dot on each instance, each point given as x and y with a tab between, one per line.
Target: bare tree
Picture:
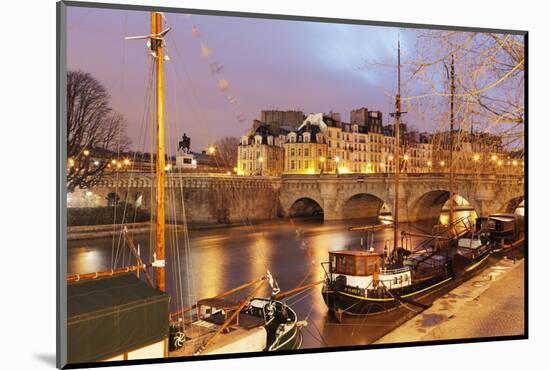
227	151
93	129
490	76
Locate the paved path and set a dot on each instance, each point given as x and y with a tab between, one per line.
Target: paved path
489	304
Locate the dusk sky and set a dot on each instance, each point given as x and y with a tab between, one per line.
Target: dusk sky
270	64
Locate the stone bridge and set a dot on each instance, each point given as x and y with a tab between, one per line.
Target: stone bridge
215	198
421	196
206	198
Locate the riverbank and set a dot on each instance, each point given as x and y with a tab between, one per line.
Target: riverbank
490	304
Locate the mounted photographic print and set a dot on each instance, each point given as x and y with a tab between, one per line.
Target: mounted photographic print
237	184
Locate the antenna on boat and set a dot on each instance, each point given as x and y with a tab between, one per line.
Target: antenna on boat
397	123
156	44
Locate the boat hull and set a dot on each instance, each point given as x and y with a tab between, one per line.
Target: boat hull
344	302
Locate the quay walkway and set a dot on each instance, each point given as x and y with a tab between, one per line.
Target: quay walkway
490	304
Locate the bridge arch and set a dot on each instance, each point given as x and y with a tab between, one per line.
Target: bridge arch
433	207
305	207
364	205
513	205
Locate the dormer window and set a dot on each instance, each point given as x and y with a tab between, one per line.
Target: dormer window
307	137
244	140
258	140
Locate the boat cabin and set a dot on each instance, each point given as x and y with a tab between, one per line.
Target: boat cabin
355	263
503	227
137	311
360	271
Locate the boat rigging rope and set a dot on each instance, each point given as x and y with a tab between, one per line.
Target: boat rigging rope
141	140
121	88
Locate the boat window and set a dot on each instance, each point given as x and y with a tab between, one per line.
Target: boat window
360	265
369	266
350	266
332	263
342	264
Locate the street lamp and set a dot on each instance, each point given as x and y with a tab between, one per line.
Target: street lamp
211	150
86	152
476	157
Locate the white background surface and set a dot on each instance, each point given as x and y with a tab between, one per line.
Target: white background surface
27	206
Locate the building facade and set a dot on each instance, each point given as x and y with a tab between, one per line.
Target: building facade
261	154
323	143
305	150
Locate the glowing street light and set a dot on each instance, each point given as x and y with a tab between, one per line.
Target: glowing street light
499	163
113	161
168	167
96	163
442	163
261	159
337	159
476	157
429	163
494	157
515	163
406	157
126	162
71	162
228	173
322	159
86	152
211	150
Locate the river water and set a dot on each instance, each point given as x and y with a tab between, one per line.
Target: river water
220	259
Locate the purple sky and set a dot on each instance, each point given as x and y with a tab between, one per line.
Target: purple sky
314	67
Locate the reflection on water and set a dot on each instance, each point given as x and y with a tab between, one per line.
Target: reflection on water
221	259
462	214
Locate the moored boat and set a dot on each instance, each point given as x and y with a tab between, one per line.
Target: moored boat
365	282
506	230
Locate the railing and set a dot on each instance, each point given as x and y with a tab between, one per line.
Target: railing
396	271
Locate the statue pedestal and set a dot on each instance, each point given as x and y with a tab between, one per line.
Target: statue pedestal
185	160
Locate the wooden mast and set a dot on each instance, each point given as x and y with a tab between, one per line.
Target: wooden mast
396	150
158	54
451	164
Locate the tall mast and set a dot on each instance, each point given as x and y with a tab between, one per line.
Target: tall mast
397	124
451	164
158	54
